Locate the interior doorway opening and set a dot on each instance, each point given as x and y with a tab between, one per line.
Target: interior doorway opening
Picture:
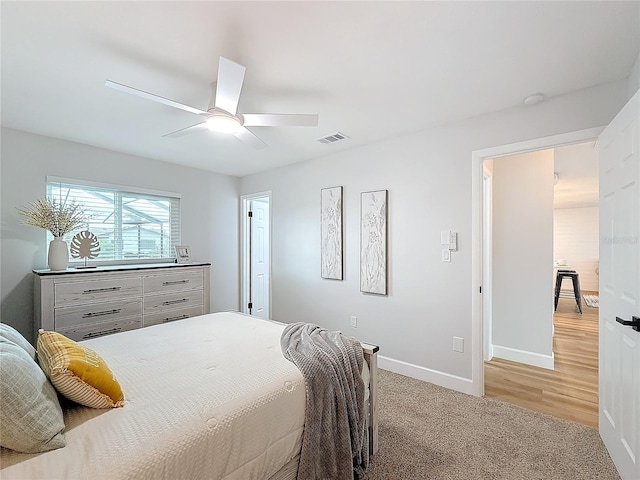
561	227
256	255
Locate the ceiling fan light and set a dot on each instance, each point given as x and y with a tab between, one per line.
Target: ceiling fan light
223	123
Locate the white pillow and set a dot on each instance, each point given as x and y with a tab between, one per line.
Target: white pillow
30	413
11	334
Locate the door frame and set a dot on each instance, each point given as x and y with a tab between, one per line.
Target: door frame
487	245
245	245
477	232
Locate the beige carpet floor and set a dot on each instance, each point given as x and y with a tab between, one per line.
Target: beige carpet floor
429	432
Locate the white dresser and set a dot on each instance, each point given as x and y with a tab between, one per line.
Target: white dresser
84	304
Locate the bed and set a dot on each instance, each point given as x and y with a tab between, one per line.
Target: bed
205	397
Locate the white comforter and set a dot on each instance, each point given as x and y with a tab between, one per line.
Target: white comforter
206	397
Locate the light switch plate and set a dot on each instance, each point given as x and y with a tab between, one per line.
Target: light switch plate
453	241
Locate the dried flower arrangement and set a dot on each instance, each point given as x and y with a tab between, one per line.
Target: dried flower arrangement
51	215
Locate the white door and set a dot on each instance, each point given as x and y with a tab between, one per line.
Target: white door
620	289
260	258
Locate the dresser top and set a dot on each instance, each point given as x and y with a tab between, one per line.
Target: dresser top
118	268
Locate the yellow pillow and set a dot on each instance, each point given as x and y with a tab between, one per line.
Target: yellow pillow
77	372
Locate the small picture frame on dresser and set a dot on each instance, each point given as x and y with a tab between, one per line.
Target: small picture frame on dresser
183	254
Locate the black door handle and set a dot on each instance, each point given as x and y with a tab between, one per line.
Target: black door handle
633	323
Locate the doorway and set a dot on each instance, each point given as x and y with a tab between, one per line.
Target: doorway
563	383
256	254
478	229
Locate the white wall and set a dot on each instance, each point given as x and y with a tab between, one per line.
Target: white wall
522	303
209	210
634	79
576	241
428	176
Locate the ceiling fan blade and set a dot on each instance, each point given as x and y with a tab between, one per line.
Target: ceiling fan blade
230	78
279	120
151	96
187	130
250	139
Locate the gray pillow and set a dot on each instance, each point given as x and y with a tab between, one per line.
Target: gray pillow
30	413
11	334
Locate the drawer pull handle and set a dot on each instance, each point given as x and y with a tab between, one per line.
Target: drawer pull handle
175	282
102	290
179	317
102	333
100	314
173	302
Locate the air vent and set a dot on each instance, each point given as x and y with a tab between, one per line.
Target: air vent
333	138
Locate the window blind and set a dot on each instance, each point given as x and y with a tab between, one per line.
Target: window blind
129	225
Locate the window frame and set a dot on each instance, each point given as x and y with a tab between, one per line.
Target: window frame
123	190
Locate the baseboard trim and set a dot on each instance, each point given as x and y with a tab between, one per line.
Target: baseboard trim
522	356
453	382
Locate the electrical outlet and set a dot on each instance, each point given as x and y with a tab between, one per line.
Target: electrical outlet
354	321
458	344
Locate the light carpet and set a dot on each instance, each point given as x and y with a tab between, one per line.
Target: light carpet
430	432
592	301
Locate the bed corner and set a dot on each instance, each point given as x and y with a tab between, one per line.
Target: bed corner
371	357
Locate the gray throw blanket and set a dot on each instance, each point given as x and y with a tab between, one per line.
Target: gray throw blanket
334	441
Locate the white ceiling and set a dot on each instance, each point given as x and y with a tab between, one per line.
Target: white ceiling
371	70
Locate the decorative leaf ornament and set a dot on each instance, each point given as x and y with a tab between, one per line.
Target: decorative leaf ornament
85	245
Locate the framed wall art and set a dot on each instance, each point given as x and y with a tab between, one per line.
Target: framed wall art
373	242
331	233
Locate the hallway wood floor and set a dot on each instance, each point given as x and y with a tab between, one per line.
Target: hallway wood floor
571	390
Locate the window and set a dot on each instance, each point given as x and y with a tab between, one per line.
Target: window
130	224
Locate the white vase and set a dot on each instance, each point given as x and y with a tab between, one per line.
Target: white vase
58	258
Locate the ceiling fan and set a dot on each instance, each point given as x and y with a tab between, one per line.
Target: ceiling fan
222	115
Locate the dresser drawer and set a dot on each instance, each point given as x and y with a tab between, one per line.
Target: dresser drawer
101	329
173	282
172	315
156	303
66	317
69	293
